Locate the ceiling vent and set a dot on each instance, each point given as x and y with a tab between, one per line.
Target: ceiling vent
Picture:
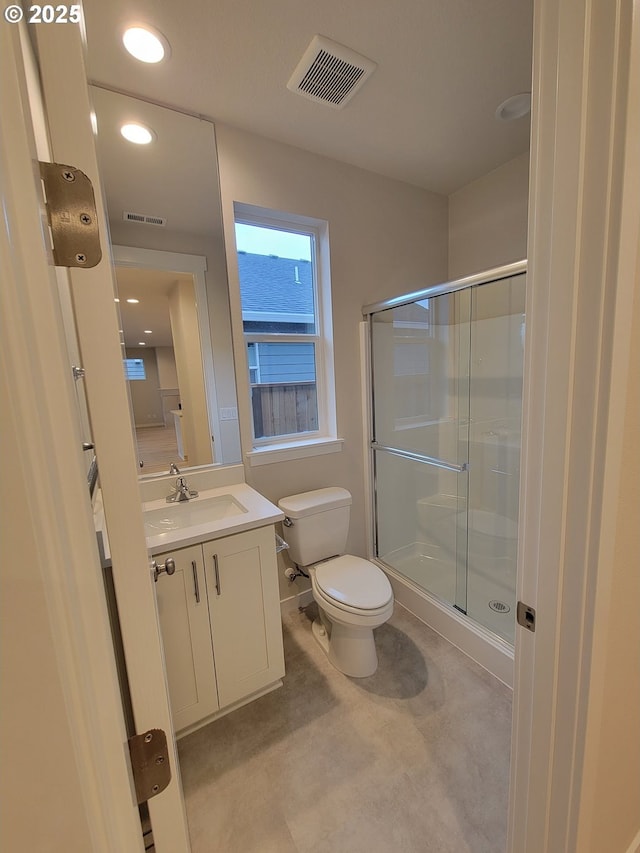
330	73
143	218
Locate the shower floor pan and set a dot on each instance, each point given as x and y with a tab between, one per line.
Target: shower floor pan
490	591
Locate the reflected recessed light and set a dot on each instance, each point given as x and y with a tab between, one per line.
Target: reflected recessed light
133	301
116	299
148	332
514	107
145	44
137	133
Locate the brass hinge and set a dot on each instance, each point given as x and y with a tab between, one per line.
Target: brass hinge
149	763
72	215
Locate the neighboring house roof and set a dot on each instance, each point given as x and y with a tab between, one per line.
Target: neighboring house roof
273	285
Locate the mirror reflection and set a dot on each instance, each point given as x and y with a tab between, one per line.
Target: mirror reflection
163	204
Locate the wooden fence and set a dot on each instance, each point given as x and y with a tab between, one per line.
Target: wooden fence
284	409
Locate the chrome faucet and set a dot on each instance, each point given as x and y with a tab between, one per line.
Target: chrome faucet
181	492
174	469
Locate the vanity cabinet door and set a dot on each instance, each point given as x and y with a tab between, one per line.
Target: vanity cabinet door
244	607
184	624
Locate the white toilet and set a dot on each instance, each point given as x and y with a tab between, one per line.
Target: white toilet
352	594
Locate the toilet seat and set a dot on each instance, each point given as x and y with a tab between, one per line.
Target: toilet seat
353	584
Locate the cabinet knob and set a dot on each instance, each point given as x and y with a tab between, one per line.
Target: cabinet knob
168	567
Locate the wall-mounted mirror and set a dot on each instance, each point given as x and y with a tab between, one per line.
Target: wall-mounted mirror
163	202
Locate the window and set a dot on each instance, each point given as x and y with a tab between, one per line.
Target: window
134	368
286	324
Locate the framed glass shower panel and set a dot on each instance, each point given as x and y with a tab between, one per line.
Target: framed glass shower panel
421	527
420	365
495	406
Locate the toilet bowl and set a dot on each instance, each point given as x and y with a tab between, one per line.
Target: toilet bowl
353	595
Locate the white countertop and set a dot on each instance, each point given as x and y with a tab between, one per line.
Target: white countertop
259	513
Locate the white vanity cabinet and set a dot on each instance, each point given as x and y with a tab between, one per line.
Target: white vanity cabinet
220	621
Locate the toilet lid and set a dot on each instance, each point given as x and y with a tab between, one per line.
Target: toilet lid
354	582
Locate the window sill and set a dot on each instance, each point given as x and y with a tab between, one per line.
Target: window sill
293	450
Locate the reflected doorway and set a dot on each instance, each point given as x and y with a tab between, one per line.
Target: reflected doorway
163	366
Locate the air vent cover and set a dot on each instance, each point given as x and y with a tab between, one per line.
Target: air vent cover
330	73
143	218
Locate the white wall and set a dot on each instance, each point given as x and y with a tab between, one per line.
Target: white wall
488	220
167	374
386	238
145	393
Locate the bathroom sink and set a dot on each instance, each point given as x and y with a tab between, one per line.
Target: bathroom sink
216	512
183	514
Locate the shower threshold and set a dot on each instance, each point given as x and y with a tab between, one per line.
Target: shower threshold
431	568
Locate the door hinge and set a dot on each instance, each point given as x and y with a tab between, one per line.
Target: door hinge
72	215
526	616
149	763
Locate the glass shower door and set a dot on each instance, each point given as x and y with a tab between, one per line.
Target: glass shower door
420	363
495	406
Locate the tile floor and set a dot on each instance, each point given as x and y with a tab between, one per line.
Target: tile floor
414	758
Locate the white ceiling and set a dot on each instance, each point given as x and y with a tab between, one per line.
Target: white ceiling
426	116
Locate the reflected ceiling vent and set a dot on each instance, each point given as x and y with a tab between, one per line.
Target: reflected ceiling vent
330	73
143	218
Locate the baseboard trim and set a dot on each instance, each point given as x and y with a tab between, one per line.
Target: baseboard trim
294	602
187	730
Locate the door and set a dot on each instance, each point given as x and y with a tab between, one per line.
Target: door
67	110
420	365
244	610
186	636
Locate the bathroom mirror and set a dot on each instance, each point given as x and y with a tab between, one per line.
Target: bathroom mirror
165	220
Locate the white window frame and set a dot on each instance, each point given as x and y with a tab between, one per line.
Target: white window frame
324	439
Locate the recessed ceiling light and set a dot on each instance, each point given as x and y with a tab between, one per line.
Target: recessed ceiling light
148	332
145	44
514	107
133	301
137	133
142	344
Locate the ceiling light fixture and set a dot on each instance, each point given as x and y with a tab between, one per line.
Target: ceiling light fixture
514	107
133	301
145	43
142	344
137	133
148	332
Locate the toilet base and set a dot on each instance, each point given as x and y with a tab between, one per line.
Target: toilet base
351	649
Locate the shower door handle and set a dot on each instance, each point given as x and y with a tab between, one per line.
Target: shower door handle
421	457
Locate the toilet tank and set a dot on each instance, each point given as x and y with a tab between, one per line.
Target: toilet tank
320	524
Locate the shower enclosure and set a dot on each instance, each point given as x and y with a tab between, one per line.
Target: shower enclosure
447	367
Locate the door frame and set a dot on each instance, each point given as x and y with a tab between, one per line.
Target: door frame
43	408
583	245
63	80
